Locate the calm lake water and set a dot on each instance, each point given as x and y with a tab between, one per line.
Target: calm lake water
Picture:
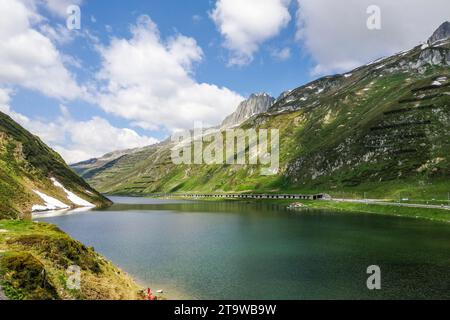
230	250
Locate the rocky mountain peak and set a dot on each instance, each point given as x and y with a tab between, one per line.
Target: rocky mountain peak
258	95
441	33
283	95
255	104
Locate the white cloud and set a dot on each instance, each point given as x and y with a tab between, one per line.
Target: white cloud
77	140
5	98
281	54
59	7
45	131
28	58
245	25
155	88
336	35
87	139
59	34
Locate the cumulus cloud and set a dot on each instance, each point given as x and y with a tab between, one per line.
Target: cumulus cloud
87	139
4	99
59	7
336	35
58	34
155	88
77	140
281	54
245	25
29	58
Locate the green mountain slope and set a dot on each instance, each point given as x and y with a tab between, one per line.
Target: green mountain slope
27	165
382	129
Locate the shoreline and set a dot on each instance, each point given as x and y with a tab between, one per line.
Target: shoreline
172	292
431	214
169	292
414	211
28	243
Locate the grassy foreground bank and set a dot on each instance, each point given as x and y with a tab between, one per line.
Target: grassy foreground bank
35	257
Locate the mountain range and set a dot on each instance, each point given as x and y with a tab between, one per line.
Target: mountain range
382	128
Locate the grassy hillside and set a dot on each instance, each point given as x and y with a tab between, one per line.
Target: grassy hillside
27	164
382	129
34	258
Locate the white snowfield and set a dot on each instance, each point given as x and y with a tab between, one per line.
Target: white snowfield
71	196
54	204
50	203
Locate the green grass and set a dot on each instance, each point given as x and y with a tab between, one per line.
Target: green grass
370	135
322	156
434	214
408	212
26	164
34	258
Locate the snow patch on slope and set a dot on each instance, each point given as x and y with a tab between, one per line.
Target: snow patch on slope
50	203
71	196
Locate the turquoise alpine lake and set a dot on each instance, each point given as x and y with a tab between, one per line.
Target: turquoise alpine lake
251	250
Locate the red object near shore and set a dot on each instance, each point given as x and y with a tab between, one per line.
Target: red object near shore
150	296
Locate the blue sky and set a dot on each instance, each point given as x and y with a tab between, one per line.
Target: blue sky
138	70
191	18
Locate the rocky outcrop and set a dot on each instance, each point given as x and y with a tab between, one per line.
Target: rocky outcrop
433	56
2	294
442	33
283	95
255	104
